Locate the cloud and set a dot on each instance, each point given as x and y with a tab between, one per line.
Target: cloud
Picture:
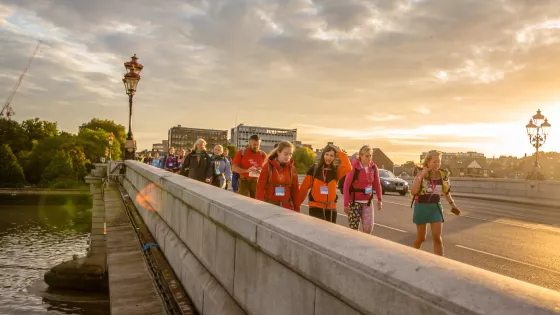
384	117
422	110
406	66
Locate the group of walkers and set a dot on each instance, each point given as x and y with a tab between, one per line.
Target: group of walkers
198	164
273	178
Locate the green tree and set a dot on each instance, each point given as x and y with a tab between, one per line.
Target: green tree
94	143
37	130
44	152
109	126
11	173
13	134
232	150
79	162
60	169
303	158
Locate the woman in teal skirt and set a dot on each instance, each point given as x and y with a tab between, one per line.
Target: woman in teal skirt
429	185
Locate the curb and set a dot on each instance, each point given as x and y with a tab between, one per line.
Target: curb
522	202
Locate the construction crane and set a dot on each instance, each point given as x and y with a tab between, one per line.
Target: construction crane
7	110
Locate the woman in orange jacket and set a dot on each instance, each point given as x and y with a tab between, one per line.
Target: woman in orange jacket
322	178
278	181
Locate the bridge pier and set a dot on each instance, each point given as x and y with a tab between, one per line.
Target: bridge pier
87	273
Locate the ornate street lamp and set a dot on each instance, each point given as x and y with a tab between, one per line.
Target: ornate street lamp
130	80
110	138
537	130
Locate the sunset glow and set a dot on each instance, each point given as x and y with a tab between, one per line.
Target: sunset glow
404	76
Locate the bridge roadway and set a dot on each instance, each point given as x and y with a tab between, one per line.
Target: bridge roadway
519	241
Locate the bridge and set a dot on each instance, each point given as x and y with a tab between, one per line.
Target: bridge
221	253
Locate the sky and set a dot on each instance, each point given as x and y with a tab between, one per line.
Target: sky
405	76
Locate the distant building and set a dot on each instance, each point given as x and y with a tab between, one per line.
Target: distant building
379	158
270	136
158	147
165	145
299	144
184	138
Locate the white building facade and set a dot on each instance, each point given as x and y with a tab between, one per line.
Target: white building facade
270	136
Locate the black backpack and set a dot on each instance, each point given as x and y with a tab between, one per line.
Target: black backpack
341	181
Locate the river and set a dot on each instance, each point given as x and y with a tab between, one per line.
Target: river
36	233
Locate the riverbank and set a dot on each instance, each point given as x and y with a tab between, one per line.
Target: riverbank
44	191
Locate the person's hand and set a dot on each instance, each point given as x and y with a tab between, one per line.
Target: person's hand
455	210
336	149
379	205
347	210
252	169
208	180
423	172
228	183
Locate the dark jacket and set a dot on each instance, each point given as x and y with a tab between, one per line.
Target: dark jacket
198	169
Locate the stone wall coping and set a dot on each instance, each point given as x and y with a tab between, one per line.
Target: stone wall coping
453	286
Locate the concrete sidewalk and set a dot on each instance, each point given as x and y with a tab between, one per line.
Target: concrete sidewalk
550	203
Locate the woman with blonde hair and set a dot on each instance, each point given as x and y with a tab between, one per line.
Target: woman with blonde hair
359	185
429	185
278	181
198	164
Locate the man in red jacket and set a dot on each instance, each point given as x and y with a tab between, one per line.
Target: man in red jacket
248	164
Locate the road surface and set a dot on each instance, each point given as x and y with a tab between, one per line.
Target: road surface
519	241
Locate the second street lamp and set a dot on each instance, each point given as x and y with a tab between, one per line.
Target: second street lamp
537	130
130	80
110	139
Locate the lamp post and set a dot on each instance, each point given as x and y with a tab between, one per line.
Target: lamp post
130	80
537	130
110	138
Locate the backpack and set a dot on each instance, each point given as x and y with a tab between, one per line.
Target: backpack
260	151
270	169
170	161
355	178
341	181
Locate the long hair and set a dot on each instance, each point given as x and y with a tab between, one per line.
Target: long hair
199	141
319	166
432	154
281	146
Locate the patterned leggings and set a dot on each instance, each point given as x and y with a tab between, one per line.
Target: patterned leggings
360	212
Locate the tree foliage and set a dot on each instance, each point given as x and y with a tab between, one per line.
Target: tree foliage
54	158
11	173
13	134
303	158
59	168
37	130
110	127
232	149
94	143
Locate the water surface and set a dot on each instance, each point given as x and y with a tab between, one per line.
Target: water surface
36	233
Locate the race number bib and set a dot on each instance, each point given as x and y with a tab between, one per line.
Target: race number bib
367	190
324	190
279	191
